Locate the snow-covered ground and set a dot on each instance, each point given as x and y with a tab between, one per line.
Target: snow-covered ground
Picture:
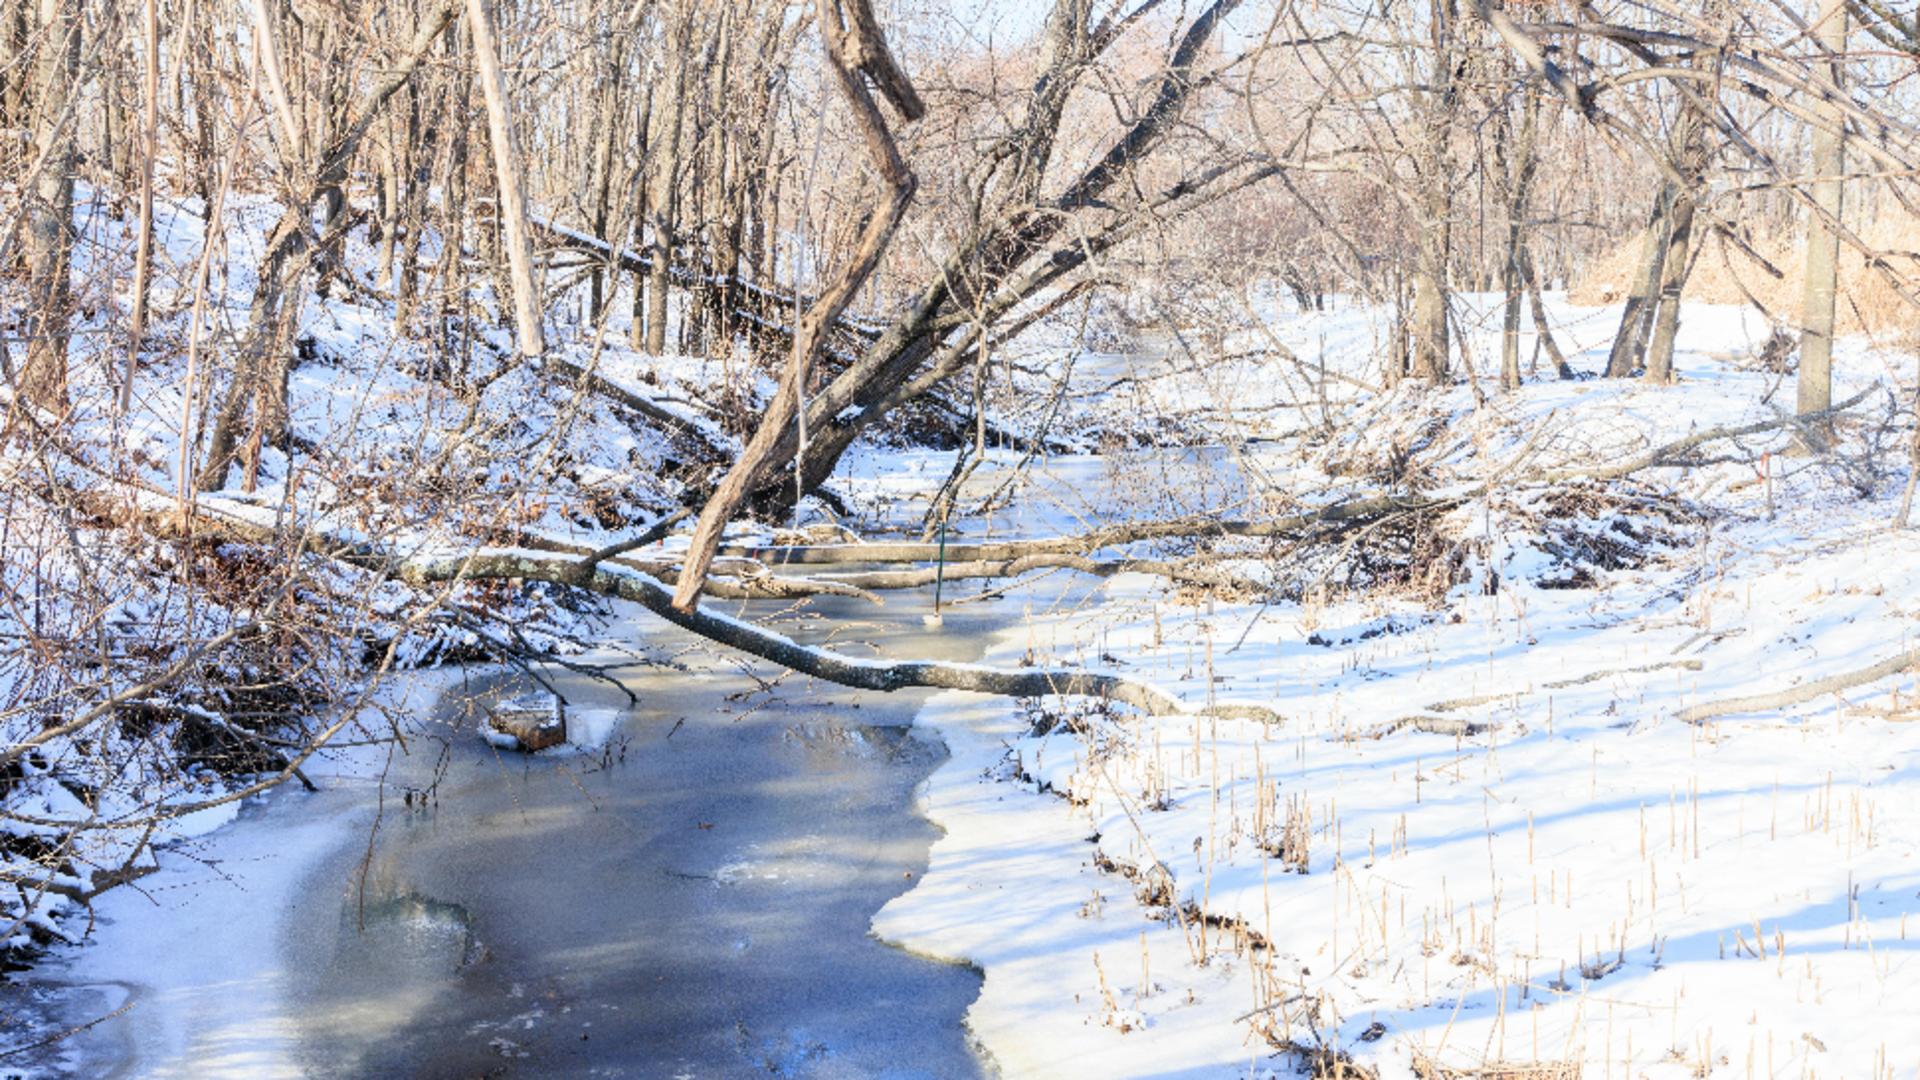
1560	872
183	972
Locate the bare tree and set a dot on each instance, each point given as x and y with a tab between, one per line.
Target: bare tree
1517	162
1434	172
260	378
149	152
1643	289
49	246
857	52
664	159
1689	151
513	207
1027	241
1815	383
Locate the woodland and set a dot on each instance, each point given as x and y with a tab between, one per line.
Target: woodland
1396	449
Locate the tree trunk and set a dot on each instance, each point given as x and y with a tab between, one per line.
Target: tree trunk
149	151
642	132
116	136
16	77
666	168
1429	326
419	157
49	246
1542	332
1689	157
1436	179
1643	290
1815	384
390	189
856	51
513	209
260	369
600	176
1673	279
1518	167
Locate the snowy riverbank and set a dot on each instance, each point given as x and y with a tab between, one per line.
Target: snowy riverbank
1485	837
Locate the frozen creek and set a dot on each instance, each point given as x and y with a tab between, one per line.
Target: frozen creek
693	901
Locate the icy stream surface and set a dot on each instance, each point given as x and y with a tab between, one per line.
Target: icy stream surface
693	898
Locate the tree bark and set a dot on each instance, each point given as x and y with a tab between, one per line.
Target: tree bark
513	208
1430	294
1815	380
149	151
1898	664
642	207
1518	167
1689	161
1541	329
49	247
1673	280
1643	290
666	169
600	175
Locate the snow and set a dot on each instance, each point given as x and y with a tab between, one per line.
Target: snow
197	945
589	729
1589	881
499	740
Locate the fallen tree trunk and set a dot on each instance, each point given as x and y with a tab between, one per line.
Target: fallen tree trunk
1183	572
885	676
610	578
1805	692
745	578
712	446
1353	510
1459	727
727	579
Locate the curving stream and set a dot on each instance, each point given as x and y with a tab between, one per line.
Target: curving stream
692	901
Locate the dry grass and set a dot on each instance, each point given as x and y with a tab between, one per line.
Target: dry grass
1428	1069
1724	274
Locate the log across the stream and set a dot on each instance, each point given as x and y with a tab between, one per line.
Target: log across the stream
628	584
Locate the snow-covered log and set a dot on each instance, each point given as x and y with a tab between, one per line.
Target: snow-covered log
1805	692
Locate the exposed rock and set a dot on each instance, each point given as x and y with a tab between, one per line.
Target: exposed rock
531	723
